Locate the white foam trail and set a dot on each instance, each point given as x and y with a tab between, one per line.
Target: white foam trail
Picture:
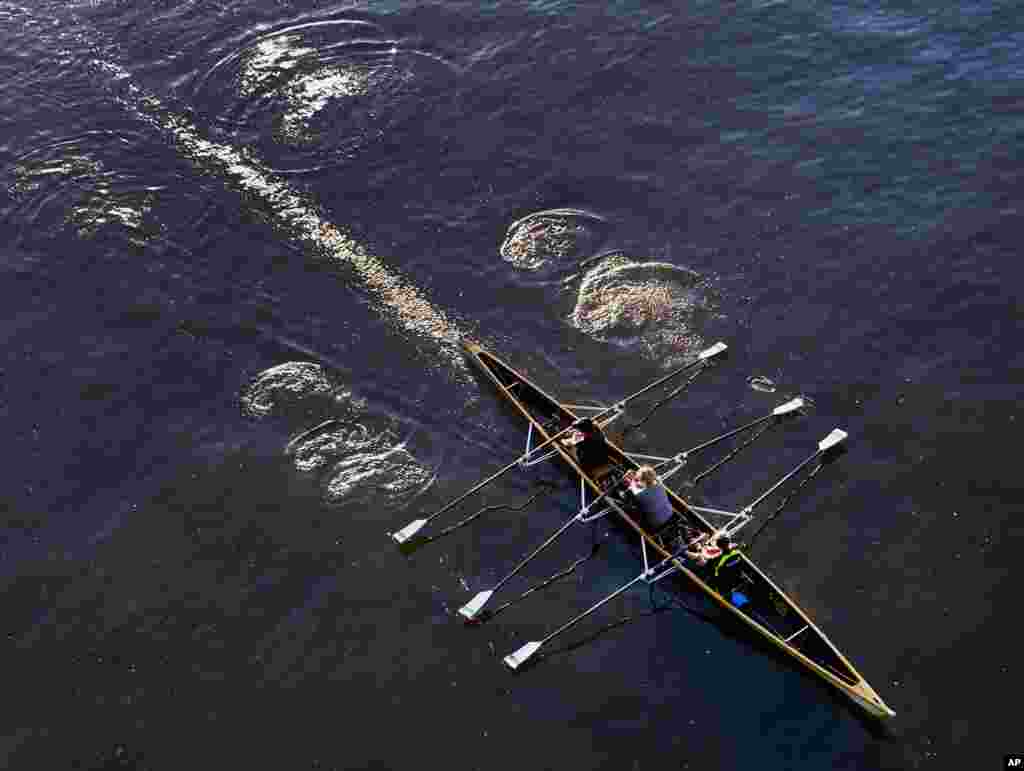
296	215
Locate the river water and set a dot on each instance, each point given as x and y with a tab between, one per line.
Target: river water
241	243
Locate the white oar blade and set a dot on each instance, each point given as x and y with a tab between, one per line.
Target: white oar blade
832	439
471	608
517	659
790	406
714	350
409	530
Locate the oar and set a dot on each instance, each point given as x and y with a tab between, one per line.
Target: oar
517	659
474	606
778	412
416	525
703	356
412	544
680	458
782	504
836	436
783	409
714	350
489	614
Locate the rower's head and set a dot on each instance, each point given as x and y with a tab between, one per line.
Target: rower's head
723	543
587	427
647	475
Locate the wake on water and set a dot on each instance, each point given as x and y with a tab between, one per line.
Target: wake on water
293	213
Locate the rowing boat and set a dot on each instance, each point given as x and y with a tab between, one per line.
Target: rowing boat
744	590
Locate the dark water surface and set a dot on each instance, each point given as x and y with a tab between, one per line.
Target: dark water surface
225	223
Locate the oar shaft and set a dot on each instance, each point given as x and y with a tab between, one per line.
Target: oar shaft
665	379
777	412
728	434
550	540
543	584
782	481
504	470
572	622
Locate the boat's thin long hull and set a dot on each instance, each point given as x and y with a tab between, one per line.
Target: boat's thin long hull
770	612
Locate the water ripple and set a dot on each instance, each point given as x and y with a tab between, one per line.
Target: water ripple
313	95
552	237
366	463
389	477
292	385
655	306
335	439
292	212
82	183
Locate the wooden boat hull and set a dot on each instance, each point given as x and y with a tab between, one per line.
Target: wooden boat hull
769	612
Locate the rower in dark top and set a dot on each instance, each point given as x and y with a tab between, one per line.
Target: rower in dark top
724	564
592	449
650	497
714	555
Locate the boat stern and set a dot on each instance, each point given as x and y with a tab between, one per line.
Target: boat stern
865	695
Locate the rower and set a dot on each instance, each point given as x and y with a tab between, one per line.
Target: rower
592	449
714	554
728	559
650	497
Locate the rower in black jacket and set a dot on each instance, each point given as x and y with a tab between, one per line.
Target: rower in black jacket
592	449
